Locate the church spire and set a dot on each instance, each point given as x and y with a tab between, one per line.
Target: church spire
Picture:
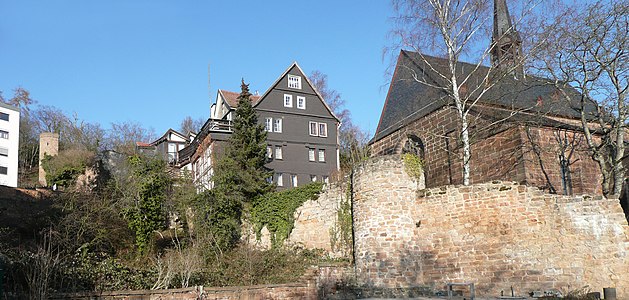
506	52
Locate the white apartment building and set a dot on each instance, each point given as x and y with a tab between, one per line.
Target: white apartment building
9	142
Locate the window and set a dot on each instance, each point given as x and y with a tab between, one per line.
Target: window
323	129
280	179
267	124
4	116
172	152
4	134
4	171
277	125
311	154
288	100
314	129
313	178
278	152
318	129
4	151
269	152
293	180
301	102
326	179
294	81
321	155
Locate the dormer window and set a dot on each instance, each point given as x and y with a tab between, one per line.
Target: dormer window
294	82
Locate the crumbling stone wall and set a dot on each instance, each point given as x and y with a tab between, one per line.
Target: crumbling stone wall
316	224
496	235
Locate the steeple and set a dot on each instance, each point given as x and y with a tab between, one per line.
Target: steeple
506	52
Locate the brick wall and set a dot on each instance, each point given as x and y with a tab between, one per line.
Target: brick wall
499	152
586	177
496	235
256	292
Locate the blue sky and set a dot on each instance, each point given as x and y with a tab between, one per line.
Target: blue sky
147	60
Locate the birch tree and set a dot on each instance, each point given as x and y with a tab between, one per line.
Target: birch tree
453	30
589	54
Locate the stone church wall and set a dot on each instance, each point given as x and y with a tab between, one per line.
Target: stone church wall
499	151
498	235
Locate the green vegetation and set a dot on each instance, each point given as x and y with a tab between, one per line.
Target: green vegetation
341	235
276	210
413	165
63	169
150	184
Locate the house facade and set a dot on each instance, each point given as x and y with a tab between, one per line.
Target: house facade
521	129
9	144
167	146
302	132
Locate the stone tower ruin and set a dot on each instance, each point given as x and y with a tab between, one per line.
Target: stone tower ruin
48	144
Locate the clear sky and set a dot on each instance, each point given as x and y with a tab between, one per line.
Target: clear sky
147	60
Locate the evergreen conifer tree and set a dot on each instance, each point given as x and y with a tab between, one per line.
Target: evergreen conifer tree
240	175
241	172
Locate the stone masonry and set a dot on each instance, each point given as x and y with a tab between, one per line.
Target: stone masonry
500	151
48	145
498	235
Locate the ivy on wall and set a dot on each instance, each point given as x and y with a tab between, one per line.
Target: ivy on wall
276	210
341	235
413	165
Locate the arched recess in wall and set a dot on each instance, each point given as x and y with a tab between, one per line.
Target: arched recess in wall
414	145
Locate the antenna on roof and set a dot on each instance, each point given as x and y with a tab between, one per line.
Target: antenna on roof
209	92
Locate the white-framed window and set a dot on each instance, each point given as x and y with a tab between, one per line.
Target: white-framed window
269	152
4	134
318	129
4	151
301	102
280	179
321	155
4	117
314	128
311	154
294	81
293	180
323	129
326	179
268	124
278	152
288	100
313	178
277	125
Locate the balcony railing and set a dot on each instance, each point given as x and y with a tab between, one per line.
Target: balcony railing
220	125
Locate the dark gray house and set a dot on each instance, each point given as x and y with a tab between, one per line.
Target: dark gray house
302	132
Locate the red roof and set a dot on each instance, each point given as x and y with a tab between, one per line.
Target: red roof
232	98
142	144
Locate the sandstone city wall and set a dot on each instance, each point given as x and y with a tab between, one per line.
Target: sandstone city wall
496	235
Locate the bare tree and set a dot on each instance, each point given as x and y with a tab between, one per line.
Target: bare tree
188	124
589	53
122	137
453	30
352	139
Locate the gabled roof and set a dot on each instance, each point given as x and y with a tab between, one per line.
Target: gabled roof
231	98
408	100
277	81
164	137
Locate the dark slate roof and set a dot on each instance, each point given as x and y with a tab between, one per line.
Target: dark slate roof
409	100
